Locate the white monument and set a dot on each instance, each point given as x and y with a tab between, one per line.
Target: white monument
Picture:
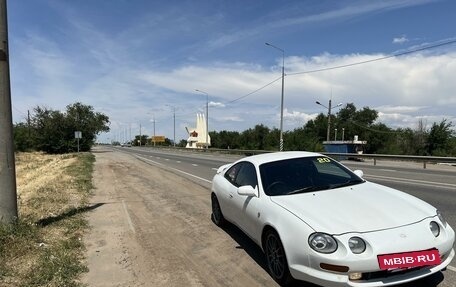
197	136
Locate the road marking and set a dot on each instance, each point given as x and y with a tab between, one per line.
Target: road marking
167	159
194	164
128	217
178	161
146	159
428	183
385	169
214	168
175	169
451	268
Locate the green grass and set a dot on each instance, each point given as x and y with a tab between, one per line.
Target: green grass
47	249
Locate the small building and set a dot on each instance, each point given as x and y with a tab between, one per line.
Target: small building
354	146
197	136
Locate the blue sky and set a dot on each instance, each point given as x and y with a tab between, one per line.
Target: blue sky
138	61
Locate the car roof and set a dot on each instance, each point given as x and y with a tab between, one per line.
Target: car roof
276	156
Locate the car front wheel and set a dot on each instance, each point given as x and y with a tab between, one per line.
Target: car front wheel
217	215
276	259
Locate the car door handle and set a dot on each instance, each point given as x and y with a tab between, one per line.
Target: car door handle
231	196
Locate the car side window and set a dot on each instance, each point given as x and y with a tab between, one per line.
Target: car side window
231	173
247	175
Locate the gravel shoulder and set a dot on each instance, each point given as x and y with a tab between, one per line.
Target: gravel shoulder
150	227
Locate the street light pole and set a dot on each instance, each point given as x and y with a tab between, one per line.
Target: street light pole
154	129
329	121
329	116
174	126
281	101
174	121
207	117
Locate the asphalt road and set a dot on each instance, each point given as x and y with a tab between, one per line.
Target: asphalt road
436	184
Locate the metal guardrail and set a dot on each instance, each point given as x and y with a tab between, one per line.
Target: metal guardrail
421	159
413	158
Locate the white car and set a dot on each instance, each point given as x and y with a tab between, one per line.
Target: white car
319	222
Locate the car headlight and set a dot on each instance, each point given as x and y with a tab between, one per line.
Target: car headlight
442	219
435	229
357	245
322	242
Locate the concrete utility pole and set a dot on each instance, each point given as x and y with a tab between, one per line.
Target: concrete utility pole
281	98
8	199
329	107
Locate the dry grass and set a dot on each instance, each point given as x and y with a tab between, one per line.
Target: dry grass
45	248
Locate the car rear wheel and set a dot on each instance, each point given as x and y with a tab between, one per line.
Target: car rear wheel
276	259
217	215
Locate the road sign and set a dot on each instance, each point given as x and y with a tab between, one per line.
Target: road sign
158	139
78	135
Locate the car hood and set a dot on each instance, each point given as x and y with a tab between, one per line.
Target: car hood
359	208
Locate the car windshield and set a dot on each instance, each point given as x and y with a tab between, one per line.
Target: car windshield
306	174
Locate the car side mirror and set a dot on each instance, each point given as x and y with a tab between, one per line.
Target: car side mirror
359	173
247	190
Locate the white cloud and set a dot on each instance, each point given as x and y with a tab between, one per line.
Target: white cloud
402	89
400	40
399	109
216	104
297	118
231	119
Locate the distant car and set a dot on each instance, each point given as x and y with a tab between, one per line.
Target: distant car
319	222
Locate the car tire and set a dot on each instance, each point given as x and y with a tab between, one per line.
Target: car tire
217	215
276	259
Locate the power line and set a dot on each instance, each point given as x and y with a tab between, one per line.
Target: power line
244	96
452	41
373	130
376	59
257	90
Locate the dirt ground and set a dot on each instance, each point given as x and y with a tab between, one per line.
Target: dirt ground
151	227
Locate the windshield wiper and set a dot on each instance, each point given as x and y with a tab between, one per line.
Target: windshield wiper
309	188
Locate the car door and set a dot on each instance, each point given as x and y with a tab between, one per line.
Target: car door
247	207
229	188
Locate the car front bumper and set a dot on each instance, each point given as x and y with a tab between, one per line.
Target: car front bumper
335	269
376	278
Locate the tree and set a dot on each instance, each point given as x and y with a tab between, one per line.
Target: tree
83	118
182	143
22	137
256	138
379	138
141	140
53	131
408	141
439	139
317	127
225	139
355	122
